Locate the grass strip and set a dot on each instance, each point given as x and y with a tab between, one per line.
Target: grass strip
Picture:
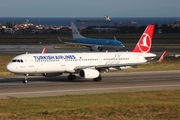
112	106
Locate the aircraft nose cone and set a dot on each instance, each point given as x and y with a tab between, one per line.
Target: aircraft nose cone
9	67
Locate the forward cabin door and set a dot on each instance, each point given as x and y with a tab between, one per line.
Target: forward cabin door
31	62
62	62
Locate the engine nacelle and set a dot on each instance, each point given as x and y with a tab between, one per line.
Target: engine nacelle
88	73
96	48
51	74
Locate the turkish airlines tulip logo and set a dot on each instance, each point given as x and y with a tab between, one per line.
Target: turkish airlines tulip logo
145	43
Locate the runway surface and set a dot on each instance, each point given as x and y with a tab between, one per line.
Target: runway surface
11	87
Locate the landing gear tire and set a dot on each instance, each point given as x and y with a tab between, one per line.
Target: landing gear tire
71	77
101	49
98	79
25	79
91	49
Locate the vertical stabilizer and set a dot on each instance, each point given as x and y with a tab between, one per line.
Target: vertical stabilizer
144	43
75	31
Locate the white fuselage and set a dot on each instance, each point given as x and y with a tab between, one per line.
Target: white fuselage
69	62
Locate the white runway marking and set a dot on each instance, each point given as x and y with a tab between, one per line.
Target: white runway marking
92	89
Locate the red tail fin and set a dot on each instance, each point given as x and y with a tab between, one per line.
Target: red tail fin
44	50
144	43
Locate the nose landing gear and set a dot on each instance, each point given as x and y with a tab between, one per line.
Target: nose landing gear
25	79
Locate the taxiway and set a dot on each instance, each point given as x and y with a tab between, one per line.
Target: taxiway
12	87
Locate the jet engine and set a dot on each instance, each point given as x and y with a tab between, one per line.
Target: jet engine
96	48
51	74
88	73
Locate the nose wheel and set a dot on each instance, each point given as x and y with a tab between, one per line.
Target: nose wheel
25	79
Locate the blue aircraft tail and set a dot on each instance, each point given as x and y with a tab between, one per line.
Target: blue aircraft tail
75	31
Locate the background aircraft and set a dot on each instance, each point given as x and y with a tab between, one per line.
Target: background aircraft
86	65
95	44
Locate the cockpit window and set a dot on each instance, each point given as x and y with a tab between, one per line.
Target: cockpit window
14	60
17	60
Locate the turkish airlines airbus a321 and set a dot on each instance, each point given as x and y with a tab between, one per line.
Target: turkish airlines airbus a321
87	65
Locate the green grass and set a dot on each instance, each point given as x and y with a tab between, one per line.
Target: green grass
4	59
112	106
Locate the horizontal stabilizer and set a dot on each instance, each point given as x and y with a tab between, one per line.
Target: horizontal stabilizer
162	56
44	50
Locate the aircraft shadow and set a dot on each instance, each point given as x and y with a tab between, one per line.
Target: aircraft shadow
41	79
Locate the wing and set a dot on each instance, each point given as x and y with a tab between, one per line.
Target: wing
120	65
108	66
82	44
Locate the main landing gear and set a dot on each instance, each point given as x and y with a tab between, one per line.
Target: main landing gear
98	79
71	77
25	79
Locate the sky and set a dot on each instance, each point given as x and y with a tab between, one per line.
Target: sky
89	8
